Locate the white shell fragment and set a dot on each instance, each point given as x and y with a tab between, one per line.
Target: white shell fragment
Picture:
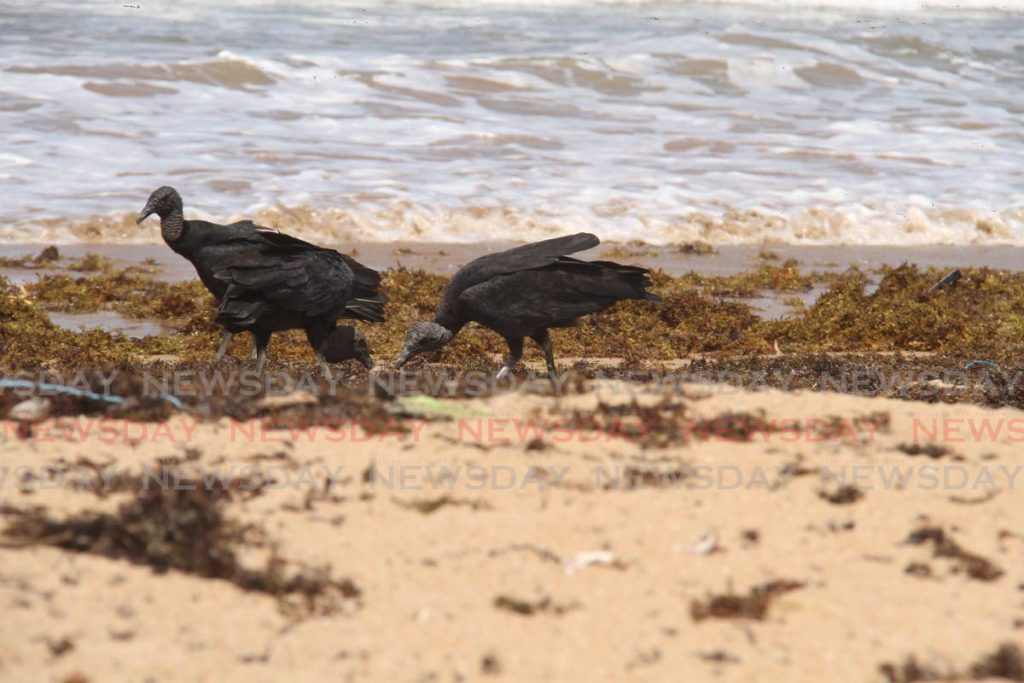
31	410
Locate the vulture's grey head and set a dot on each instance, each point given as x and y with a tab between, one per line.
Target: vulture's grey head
421	338
163	202
346	342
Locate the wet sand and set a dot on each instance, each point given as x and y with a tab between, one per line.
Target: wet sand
445	258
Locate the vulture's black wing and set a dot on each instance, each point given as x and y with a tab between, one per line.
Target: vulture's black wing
526	257
287	272
290	273
552	296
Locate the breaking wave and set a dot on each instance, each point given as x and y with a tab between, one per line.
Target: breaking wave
740	122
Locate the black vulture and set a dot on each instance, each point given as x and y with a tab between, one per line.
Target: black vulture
522	292
266	281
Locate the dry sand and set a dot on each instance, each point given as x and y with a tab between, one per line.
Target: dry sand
498	584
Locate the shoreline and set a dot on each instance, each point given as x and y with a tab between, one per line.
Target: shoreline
736	300
444	258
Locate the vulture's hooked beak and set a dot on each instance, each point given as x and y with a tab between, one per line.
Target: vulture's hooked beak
145	213
363	356
403	358
360	350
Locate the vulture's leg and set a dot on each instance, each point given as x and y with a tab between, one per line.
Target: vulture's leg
316	334
225	339
262	340
515	352
543	340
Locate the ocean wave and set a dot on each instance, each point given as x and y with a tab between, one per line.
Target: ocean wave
914	225
183	9
874	6
228	70
674	122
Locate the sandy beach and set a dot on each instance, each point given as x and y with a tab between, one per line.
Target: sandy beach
771	430
882	555
797	522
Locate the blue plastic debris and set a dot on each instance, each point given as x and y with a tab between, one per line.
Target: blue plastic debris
75	391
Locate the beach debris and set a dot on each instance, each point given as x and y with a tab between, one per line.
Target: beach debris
542	553
652	426
794	468
842	495
930	449
490	665
750	537
537	443
948	280
592	558
718	657
51	388
61	646
975	566
427	506
1006	662
835	526
28	413
753	605
91	263
49	254
301	397
184	528
633	249
990	494
940	385
819	340
707	544
919	569
136	407
981	362
302	409
697	248
730	426
634	477
30	410
430	408
46	257
528	608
